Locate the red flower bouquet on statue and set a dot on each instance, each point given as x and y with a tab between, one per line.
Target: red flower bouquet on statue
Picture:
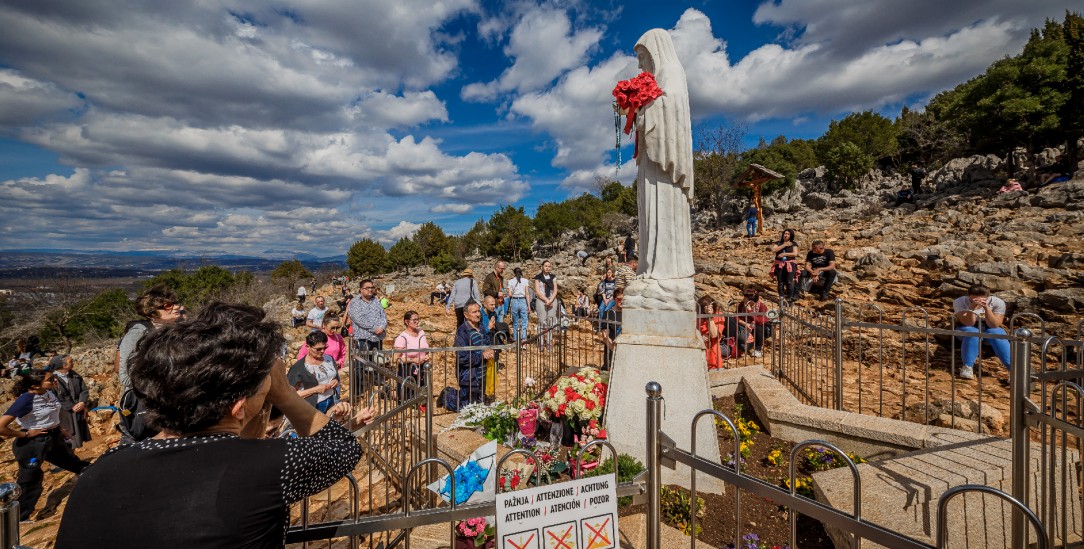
634	93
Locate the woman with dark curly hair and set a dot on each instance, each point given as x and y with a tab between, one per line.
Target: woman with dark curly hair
40	440
785	265
208	385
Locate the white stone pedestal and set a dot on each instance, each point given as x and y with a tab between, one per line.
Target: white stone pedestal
676	361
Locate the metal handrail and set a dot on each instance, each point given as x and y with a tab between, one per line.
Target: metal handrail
942	512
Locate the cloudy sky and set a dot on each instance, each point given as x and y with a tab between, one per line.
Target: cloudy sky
222	125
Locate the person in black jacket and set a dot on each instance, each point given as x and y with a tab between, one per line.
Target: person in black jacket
74	402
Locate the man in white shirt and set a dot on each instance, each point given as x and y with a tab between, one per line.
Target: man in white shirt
976	312
315	320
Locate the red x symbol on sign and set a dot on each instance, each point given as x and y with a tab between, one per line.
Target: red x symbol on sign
561	541
597	533
525	544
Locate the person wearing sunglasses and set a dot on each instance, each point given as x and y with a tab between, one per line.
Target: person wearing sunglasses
159	307
315	377
336	345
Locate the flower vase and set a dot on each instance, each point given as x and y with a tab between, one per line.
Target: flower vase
569	430
556	434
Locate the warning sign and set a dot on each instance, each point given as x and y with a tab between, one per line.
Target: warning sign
579	514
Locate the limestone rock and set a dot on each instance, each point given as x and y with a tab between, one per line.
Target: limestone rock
1063	300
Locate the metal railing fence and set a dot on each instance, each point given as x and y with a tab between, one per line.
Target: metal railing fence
661	448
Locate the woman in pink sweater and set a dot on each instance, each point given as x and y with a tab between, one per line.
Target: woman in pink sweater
413	359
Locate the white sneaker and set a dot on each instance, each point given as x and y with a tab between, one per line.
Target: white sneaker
967	372
758	354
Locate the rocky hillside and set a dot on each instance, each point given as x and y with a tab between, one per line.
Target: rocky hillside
1027	246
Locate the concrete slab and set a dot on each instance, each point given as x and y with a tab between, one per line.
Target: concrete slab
633	534
902	493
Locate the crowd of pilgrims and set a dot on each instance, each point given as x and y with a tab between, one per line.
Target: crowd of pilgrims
244	431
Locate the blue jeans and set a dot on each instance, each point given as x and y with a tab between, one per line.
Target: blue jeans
751	226
519	318
969	346
502	309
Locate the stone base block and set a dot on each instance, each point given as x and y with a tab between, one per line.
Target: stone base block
681	369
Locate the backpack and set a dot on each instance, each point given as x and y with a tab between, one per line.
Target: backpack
132	417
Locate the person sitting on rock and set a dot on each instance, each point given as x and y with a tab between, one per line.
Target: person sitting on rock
976	312
904	196
583	304
820	267
441	295
785	264
1058	171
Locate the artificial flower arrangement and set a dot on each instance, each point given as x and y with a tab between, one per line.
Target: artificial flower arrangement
632	94
475	533
549	464
469	478
590	432
578	398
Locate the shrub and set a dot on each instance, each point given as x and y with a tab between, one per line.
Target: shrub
291	271
627	466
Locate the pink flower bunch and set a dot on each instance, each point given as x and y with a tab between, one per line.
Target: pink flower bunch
472	527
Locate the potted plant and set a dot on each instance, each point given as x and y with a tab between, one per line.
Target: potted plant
475	534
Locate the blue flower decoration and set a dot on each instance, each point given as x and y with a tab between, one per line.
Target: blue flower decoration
469	478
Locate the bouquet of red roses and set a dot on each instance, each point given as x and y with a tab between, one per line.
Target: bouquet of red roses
634	93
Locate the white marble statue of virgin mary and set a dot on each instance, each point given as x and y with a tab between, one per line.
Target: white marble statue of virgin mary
664	181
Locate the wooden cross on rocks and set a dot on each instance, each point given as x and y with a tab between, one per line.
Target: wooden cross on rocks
754	177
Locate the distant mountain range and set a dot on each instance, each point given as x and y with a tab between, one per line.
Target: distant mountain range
31	263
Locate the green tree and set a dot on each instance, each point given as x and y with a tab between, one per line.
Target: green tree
846	163
1072	112
194	288
102	315
511	233
405	254
552	219
925	138
873	134
620	198
366	258
431	239
786	157
290	271
1017	100
475	239
446	262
